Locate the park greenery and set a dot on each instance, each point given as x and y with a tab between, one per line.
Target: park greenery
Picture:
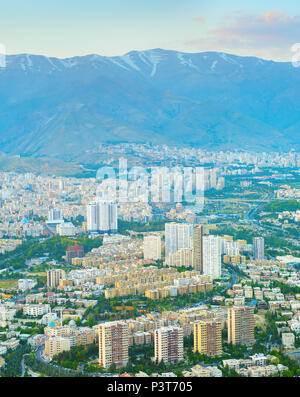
77	355
51	248
282	205
48	369
132	306
13	360
285	288
125	226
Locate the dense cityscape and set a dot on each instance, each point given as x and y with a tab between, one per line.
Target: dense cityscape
153	285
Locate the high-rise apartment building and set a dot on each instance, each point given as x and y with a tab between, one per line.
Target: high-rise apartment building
177	236
208	337
213	178
102	216
241	325
74	251
258	248
152	247
168	342
53	277
113	344
93	216
54	214
198	248
212	252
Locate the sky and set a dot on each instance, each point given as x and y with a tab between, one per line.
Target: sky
66	28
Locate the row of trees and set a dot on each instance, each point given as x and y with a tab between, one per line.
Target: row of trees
154	226
282	205
48	369
75	356
105	309
13	359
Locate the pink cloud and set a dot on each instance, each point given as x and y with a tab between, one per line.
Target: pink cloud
199	19
274	31
275	16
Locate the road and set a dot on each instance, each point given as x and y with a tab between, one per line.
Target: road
233	281
23	365
38	355
249	216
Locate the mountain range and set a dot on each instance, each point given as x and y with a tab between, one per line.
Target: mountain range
66	107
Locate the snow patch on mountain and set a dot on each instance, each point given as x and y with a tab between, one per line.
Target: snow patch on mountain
54	66
144	58
68	63
227	58
114	60
186	62
155	59
29	61
127	59
213	66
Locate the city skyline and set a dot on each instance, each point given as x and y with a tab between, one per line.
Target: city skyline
75	301
149	191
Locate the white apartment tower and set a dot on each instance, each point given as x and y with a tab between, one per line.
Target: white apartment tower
102	216
152	247
55	214
177	236
212	250
258	248
93	216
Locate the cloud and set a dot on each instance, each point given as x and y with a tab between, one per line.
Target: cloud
272	33
199	19
275	16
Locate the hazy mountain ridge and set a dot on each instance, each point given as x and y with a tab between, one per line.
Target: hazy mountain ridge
50	106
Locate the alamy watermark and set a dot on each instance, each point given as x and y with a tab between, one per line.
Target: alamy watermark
2	56
154	184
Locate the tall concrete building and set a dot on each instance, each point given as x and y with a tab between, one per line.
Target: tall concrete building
152	247
212	252
241	325
177	236
258	248
53	277
198	248
168	344
93	216
55	214
74	251
208	337
102	216
213	178
113	344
